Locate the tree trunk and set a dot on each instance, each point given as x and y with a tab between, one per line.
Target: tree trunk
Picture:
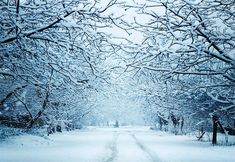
215	123
10	94
182	124
39	114
160	123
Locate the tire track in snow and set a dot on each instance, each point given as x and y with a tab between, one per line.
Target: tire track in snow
113	148
153	157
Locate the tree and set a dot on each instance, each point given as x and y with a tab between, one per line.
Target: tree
51	53
190	45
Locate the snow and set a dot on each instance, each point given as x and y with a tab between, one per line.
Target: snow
193	2
127	149
172	148
73	146
125	144
231	54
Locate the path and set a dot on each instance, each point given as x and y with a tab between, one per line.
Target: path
127	148
126	144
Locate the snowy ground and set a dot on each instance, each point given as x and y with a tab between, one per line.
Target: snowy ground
128	144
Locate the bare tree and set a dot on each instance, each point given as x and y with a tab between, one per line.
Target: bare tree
52	47
190	45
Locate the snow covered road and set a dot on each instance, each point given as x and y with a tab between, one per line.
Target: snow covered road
127	148
127	144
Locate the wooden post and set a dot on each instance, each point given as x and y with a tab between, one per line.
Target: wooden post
215	123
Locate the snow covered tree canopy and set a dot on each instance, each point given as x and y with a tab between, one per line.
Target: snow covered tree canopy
52	52
189	47
56	58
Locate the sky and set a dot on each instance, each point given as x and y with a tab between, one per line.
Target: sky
127	16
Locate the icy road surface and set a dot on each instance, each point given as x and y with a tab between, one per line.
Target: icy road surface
128	144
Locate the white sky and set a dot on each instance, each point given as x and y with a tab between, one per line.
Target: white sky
128	16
